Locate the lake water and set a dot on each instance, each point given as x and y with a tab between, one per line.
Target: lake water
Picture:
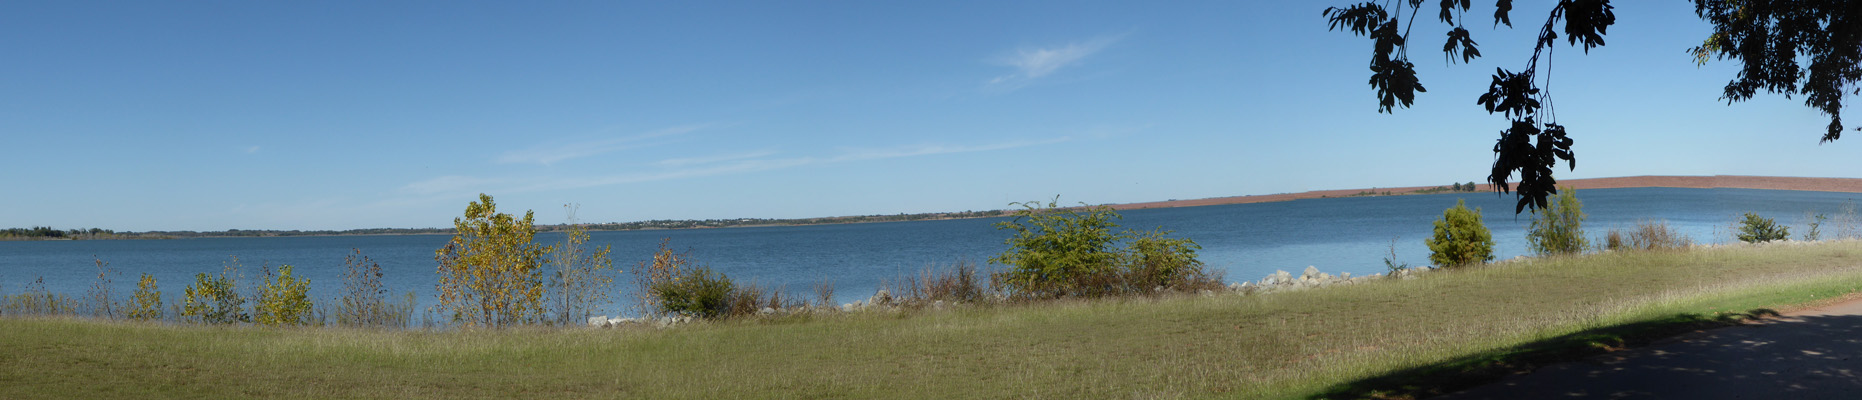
1245	241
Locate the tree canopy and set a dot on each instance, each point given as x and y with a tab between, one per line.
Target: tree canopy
1772	38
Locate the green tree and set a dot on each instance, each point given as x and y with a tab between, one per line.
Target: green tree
284	300
1559	228
1771	37
1460	238
491	270
1756	229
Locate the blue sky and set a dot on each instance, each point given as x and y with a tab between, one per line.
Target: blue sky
341	115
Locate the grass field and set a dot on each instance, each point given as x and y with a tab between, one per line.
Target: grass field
1393	336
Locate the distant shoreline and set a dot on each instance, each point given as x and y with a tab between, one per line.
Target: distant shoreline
1845	185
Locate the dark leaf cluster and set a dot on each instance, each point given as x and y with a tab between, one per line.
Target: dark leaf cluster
1525	147
1533	152
1586	21
1773	37
1511	94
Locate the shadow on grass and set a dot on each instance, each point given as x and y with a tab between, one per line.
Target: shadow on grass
1490	366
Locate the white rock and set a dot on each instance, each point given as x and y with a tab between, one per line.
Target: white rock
598	321
880	298
766	311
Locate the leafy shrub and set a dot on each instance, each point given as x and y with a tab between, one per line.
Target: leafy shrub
1614	240
284	300
1756	229
213	299
1156	261
146	303
491	270
1559	228
1058	252
695	292
671	285
1460	238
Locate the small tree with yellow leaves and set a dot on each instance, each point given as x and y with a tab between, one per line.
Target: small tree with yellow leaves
491	271
284	300
146	303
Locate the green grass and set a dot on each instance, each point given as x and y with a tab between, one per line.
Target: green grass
1399	336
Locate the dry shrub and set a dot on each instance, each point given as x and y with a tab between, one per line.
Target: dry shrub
749	299
102	302
959	283
1848	222
1656	235
364	300
37	301
824	294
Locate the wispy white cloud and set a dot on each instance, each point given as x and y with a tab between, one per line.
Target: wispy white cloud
755	162
449	183
855	154
252	149
681	162
1038	62
552	152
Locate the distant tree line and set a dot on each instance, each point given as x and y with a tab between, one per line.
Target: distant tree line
95	233
46	232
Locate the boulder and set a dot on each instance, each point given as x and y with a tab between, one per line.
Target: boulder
1312	272
599	321
766	311
880	298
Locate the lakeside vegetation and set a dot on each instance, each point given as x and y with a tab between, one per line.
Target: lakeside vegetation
1339	341
1081	300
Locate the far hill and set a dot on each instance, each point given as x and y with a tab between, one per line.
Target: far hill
1849	185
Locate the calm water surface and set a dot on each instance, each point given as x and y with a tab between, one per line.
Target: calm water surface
1245	241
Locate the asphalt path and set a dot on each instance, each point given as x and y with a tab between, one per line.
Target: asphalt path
1809	354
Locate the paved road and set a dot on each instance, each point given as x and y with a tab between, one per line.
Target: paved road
1812	354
